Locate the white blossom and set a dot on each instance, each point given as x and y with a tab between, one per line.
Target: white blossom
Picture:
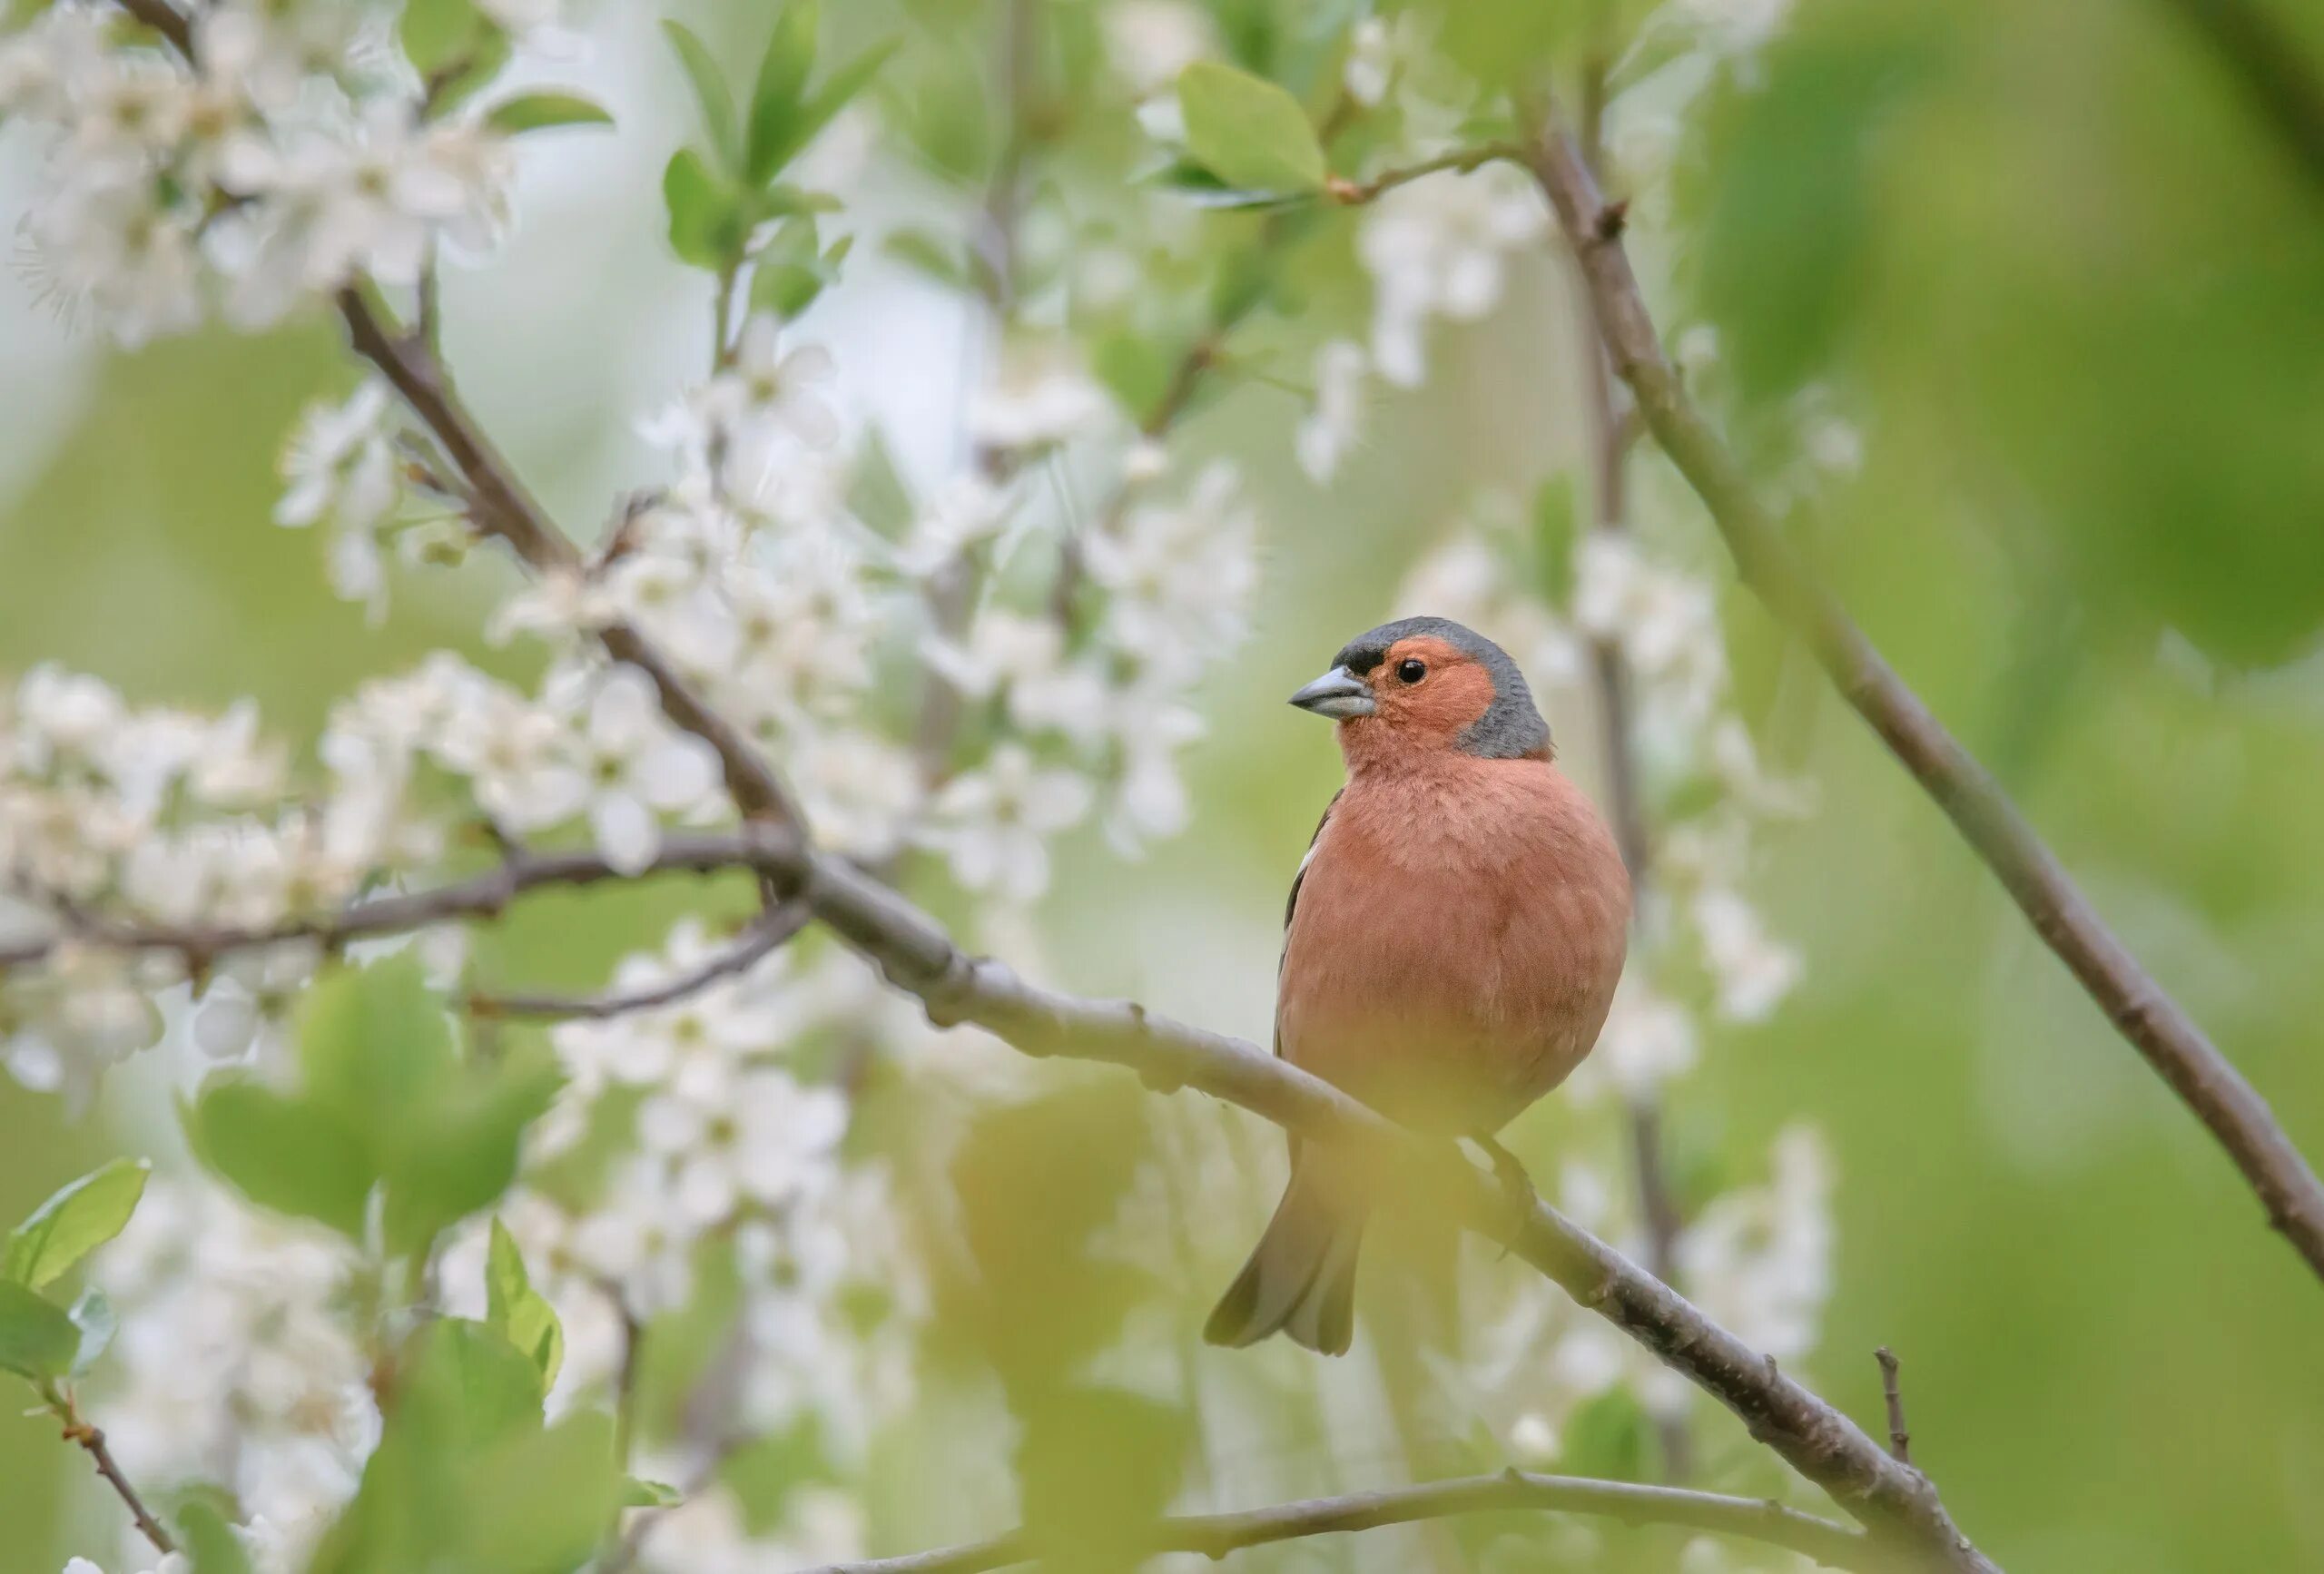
1149	42
757	410
993	823
1758	1261
1439	248
758	1137
635	767
1370	62
1753	972
1330	428
1041	398
1180	575
968	512
341	465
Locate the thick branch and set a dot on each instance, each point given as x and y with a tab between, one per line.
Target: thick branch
1216	1535
2274	71
1897	1505
2150	1018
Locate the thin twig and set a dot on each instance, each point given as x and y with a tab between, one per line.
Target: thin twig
1609	458
2285	85
766	934
1899	1506
1466	161
1832	1545
625	1371
1900	1442
427	306
505	510
92	1440
165	19
951	589
2154	1023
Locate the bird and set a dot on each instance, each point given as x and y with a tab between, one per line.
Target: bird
1452	942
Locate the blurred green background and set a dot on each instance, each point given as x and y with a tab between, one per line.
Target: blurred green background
2072	292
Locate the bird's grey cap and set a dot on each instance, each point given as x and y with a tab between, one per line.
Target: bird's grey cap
1511	729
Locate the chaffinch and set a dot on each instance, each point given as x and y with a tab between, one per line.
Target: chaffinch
1451	946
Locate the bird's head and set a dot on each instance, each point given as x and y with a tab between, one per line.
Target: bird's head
1423	685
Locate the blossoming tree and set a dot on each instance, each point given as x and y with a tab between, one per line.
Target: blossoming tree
739	1260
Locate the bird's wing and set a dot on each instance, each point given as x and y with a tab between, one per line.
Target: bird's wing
1291	905
1291	902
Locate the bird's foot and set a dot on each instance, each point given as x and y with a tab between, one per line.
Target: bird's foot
1516	1186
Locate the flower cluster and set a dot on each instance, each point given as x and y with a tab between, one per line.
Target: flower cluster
294	153
236	1348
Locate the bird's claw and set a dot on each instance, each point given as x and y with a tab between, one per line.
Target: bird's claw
1516	1186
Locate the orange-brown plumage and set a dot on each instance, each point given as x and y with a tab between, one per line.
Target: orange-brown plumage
1453	941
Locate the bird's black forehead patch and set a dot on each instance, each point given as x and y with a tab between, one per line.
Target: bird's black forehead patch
1369	649
1511	729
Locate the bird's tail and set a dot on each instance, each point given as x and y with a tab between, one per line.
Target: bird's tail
1301	1278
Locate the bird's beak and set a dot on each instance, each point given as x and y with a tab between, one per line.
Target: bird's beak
1338	694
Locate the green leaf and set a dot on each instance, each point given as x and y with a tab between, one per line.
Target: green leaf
1248	132
463	1399
490	1386
1135	368
1500	41
711	94
37	1340
93	1314
1199	187
455	47
376	1047
541	110
286	1154
519	1312
707	224
73	1222
792	269
838	89
1609	1437
209	1542
436	34
463	1154
539	1502
639	1493
775	101
928	254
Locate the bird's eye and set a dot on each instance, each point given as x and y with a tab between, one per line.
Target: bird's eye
1410	672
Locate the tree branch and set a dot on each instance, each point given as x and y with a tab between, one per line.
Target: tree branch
1900	1442
2273	69
1215	1535
1609	457
504	509
165	19
92	1442
2140	1009
1465	161
766	934
1897	1505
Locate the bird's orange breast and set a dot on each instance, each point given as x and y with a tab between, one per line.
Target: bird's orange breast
1456	941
